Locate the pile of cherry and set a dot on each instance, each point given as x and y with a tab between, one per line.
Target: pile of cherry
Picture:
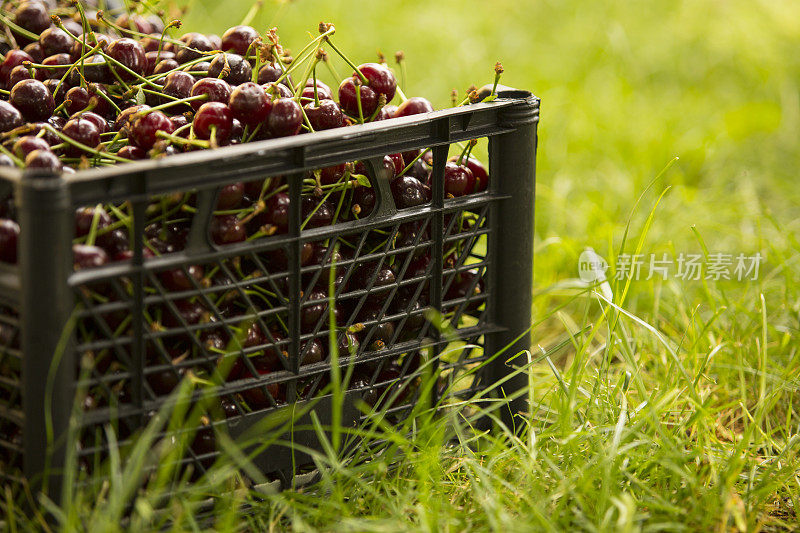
80	90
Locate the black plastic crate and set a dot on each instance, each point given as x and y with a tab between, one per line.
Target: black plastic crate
479	277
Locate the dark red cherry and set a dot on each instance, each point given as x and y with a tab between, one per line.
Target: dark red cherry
318	213
277	90
32	16
94	118
394	163
179	85
216	89
386	112
13	59
238	39
323	92
152	42
365	199
85	216
327	116
312	352
35	51
191	312
130	54
43	159
194	45
227	229
83	131
160	62
380	335
85	256
348	102
27	144
134	22
285	118
315	308
249	104
96	69
123	119
232	68
213	117
55	41
270	73
458	179
9	235
230	196
55	60
380	79
408	191
33	100
278	211
480	173
144	128
176	280
10	117
114	242
331	175
413	106
19	74
132	152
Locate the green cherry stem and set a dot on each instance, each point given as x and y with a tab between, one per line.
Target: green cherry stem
181	140
173	103
360	74
17	161
19	29
83	147
411	164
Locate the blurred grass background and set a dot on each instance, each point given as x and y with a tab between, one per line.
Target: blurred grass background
706	436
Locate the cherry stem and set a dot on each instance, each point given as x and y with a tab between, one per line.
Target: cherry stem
381	105
411	164
19	29
90	238
4	92
83	147
467	149
360	74
176	69
126	69
173	103
17	161
181	140
358	103
314	75
251	14
101	17
401	94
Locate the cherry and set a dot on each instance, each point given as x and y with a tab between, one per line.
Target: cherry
33	16
194	45
33	100
458	179
312	352
10	117
9	235
213	116
160	62
249	104
83	131
386	112
99	38
18	74
85	256
176	280
413	106
164	381
132	152
14	58
462	285
285	118
348	102
395	163
130	54
227	229
179	85
365	199
331	175
144	128
270	73
134	22
230	196
54	60
114	242
316	212
94	118
152	42
55	41
328	115
123	119
323	91
216	89
314	309
96	69
408	191
256	398
480	173
44	159
27	144
277	90
278	211
238	39
232	68
200	69
204	444
192	312
84	217
35	51
380	334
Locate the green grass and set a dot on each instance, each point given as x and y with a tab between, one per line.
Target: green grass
675	408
